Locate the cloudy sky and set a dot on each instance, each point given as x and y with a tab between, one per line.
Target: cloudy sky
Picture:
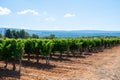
60	14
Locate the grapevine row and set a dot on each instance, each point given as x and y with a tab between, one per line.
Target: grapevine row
15	49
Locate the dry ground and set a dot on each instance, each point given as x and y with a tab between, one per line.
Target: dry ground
100	66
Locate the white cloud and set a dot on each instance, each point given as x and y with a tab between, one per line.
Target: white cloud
69	15
4	11
50	19
28	11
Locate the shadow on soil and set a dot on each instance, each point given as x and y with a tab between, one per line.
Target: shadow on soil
8	73
53	58
37	65
4	73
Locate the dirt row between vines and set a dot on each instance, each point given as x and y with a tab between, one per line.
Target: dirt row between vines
99	66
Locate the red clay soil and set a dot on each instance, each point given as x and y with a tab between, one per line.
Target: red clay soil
100	66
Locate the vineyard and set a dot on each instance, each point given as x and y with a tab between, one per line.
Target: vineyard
16	49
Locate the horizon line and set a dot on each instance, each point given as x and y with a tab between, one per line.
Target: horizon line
60	29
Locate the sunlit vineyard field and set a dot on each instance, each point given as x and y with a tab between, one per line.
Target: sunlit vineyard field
19	51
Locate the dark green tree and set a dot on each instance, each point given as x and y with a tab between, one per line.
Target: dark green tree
23	34
15	34
52	36
0	35
35	36
8	33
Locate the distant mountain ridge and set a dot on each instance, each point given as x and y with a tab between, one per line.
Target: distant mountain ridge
71	33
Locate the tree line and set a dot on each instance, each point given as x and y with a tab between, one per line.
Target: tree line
23	34
19	34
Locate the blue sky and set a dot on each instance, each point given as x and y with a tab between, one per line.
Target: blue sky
60	14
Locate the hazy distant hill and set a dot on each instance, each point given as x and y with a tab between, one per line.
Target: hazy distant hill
74	33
